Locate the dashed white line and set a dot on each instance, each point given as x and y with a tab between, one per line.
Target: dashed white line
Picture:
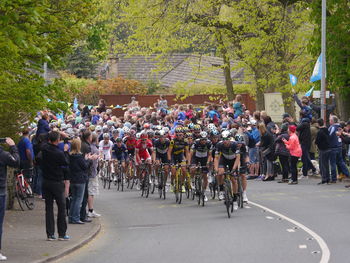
325	250
302	246
291	230
269	217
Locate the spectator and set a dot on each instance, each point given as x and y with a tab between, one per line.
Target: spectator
93	179
55	185
322	142
305	141
237	106
181	116
254	138
189	112
162	103
313	130
335	142
266	146
6	159
85	150
293	145
43	125
78	168
101	106
26	153
133	104
282	152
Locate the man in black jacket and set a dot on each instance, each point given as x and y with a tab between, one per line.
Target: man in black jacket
6	159
55	185
305	141
85	149
322	142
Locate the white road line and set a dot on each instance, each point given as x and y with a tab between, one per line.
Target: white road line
325	250
269	217
291	230
302	246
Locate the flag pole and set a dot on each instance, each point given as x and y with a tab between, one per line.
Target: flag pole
323	52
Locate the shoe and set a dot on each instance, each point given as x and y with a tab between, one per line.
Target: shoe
87	220
252	177
235	206
205	198
347	186
293	182
261	177
245	198
341	176
51	238
77	222
269	178
303	177
2	257
221	195
283	181
93	214
64	238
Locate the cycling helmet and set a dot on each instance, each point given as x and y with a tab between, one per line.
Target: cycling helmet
157	133
239	138
186	130
146	126
115	131
81	126
179	130
105	128
190	126
106	135
98	128
203	135
126	129
69	126
197	127
63	126
138	135
110	123
211	126
166	129
189	135
92	127
215	133
225	135
161	133
144	135
150	133
127	124
132	132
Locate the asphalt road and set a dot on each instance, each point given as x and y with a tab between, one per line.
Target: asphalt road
143	230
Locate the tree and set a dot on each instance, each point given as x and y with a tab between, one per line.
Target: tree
338	50
32	32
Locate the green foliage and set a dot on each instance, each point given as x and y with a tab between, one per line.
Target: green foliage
32	32
338	39
82	62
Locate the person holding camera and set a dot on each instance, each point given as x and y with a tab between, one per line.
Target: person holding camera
10	158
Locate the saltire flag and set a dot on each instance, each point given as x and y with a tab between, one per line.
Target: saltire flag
293	79
317	73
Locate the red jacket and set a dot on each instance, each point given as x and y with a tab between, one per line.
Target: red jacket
293	145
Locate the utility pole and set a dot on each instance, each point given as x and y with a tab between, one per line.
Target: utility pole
323	55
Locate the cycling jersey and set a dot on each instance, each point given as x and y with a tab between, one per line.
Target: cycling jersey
105	149
228	152
130	144
144	148
201	150
161	147
178	146
119	153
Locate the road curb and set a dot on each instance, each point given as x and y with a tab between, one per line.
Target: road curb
73	248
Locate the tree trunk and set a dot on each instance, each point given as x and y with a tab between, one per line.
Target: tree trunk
260	99
226	66
343	106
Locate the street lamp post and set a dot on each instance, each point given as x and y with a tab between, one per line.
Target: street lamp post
323	52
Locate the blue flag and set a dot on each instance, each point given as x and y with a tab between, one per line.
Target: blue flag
293	79
308	94
317	73
75	104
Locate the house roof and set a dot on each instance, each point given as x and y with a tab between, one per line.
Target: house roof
200	69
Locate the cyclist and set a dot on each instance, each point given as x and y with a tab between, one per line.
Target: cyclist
119	152
196	131
160	153
227	154
200	154
143	153
244	160
177	152
105	148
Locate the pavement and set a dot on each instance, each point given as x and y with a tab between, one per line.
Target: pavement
24	236
282	223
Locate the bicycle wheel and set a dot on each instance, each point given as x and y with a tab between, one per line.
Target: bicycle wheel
198	189
160	183
148	185
109	178
228	200
29	196
19	196
180	187
153	182
121	178
240	193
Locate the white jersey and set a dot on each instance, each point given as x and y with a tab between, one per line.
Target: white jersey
106	149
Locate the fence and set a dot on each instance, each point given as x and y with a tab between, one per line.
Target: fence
149	100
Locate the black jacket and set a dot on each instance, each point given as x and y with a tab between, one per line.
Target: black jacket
322	139
304	133
78	169
7	159
280	147
53	162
